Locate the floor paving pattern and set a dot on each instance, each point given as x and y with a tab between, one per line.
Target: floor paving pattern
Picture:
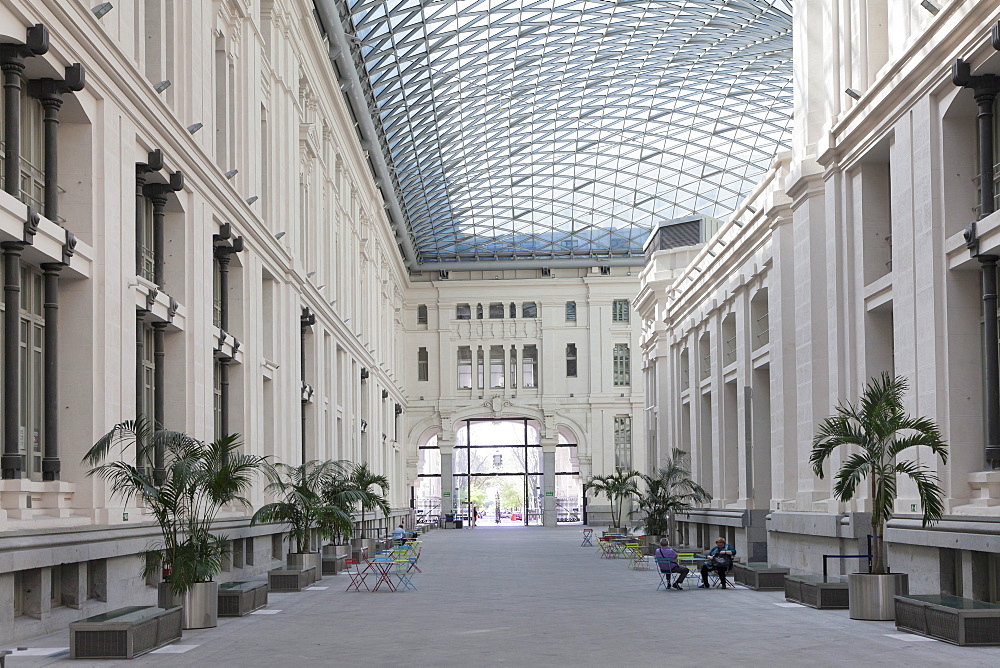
532	596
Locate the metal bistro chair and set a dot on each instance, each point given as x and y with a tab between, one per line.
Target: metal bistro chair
637	560
404	575
356	574
666	579
587	535
608	549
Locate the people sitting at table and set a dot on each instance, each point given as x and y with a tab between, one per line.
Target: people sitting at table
720	560
666	558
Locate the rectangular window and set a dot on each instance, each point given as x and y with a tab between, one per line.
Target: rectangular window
513	367
217	397
144	244
31	338
147	373
529	310
463	312
496	310
216	294
32	152
571	311
422	314
529	366
623	442
619	310
423	366
571	360
621	365
480	368
496	366
464	368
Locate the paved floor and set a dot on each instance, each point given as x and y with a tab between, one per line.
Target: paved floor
531	596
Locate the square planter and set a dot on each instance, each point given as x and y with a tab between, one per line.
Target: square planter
760	576
960	621
817	591
291	578
241	598
124	633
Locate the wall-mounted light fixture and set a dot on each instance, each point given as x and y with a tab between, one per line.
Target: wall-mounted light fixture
194	127
310	274
321	287
231	173
251	200
853	93
102	9
279	235
162	86
930	6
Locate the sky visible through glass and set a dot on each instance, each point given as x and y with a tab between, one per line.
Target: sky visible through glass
559	129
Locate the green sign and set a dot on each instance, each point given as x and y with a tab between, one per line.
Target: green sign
445	493
550	493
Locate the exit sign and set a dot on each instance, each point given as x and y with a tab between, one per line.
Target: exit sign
446	494
550	493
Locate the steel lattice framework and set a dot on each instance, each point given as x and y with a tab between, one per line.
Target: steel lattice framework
569	128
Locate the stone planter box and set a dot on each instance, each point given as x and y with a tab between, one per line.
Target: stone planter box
200	604
124	633
291	578
241	598
333	564
312	560
760	576
960	621
817	591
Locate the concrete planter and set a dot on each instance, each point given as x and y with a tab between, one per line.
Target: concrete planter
873	597
200	603
307	560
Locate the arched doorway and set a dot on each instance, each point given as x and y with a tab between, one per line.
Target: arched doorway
499	474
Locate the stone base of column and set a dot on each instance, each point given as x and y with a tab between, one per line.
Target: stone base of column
51	466
11	466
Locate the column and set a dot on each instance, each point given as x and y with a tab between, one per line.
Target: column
549	481
13	68
159	205
50	460
51	104
447	444
11	462
141	410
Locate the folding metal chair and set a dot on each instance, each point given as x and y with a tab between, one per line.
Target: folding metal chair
666	581
587	535
404	575
357	575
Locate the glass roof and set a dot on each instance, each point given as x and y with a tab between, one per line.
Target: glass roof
570	128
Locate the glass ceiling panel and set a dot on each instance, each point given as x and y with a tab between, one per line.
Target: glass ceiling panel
569	128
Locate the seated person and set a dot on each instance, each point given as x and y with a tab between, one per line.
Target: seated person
720	560
666	557
399	533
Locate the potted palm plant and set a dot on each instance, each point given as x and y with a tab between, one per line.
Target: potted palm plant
878	431
300	504
373	488
618	487
669	491
198	479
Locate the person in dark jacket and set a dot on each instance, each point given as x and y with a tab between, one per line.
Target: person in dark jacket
720	560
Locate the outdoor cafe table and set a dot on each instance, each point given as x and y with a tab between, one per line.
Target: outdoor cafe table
383	568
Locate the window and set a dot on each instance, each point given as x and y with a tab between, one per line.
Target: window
479	311
496	310
146	250
216	293
217	397
422	314
513	310
147	373
529	310
619	310
621	363
480	369
32	150
464	368
496	366
31	339
571	311
571	360
423	365
513	367
529	366
463	312
623	442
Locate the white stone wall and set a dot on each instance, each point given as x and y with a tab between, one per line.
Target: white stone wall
856	237
257	78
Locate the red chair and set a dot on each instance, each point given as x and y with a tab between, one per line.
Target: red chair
357	575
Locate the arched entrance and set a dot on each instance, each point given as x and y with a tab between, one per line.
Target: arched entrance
499	474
